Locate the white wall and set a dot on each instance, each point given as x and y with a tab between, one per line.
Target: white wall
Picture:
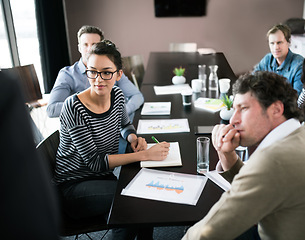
235	27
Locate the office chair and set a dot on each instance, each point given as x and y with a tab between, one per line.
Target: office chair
183	47
133	68
206	50
27	77
47	149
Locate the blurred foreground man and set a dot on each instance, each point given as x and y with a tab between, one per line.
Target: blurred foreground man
28	203
269	189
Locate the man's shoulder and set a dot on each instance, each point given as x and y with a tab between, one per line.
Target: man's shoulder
267	57
266	60
291	145
297	59
70	69
69	74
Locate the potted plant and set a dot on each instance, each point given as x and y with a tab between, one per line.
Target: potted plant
178	78
227	112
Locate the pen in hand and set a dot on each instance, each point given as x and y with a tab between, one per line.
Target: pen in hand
155	139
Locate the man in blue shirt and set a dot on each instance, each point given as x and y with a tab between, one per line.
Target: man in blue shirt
281	60
72	79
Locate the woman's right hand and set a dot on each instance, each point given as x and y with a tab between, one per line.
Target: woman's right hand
158	152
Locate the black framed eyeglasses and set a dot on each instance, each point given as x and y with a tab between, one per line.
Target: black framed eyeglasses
105	75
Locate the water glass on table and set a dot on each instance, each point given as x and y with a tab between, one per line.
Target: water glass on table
196	85
202	76
203	160
224	85
242	152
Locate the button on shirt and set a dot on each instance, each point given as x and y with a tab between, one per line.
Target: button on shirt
291	68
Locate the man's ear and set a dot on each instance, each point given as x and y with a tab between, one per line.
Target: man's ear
277	109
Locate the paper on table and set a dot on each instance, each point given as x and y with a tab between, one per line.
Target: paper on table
172	159
156	108
210	104
218	179
172	89
163	126
166	186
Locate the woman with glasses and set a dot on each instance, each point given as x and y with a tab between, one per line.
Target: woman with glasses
91	123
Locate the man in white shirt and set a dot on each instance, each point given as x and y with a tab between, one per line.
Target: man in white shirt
269	189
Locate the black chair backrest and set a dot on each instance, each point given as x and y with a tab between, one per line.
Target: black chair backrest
133	68
47	149
27	76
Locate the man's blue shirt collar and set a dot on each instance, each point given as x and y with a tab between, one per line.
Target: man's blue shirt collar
81	66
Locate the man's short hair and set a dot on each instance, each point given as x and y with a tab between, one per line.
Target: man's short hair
267	88
89	29
283	28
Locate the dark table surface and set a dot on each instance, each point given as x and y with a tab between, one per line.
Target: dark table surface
130	210
160	66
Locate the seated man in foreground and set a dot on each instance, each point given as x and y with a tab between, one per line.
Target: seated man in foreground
269	189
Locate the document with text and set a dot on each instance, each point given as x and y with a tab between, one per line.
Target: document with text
156	108
163	126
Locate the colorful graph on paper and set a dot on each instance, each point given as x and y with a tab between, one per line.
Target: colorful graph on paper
163	126
166	186
160	187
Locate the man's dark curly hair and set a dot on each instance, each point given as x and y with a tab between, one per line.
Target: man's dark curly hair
269	87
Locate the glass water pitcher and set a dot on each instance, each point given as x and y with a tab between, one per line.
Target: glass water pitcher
213	78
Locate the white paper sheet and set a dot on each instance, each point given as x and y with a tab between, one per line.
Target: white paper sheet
166	186
210	104
163	126
218	179
156	108
172	159
172	89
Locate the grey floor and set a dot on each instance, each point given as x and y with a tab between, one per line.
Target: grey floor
160	233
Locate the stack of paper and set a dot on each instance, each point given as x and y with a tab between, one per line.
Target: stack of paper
156	108
173	158
210	104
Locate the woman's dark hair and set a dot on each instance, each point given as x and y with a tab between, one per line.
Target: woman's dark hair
108	48
269	87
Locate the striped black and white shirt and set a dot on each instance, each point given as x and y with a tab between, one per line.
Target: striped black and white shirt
87	138
301	99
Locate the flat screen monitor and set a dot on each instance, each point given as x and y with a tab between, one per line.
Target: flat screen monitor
180	8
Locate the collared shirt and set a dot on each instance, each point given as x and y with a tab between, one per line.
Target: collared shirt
72	79
291	68
280	132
